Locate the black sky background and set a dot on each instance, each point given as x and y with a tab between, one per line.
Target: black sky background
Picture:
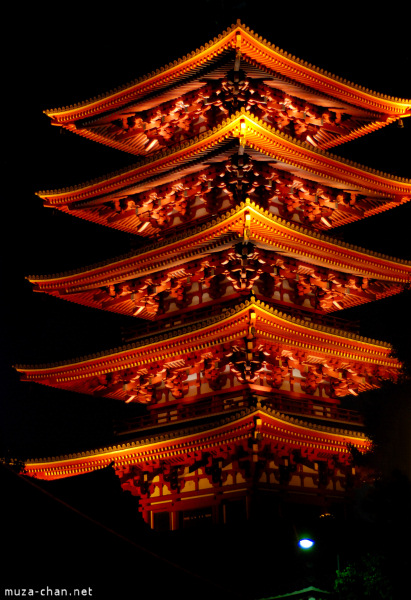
57	59
57	56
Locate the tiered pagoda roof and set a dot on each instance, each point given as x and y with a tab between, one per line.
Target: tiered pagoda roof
176	448
243	155
197	91
347	275
235	276
257	345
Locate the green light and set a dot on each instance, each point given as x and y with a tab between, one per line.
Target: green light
306	543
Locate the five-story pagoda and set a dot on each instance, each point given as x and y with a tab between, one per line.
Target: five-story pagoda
238	355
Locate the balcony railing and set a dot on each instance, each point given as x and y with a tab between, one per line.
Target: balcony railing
220	405
188	316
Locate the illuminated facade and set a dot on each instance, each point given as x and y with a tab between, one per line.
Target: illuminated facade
238	356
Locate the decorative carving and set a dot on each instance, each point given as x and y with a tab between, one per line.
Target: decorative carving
221	186
245	362
139	479
190	114
176	382
170	476
242	268
212	373
313	378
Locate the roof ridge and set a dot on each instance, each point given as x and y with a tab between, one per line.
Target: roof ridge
321	71
170	435
324	152
184	234
145	77
203	136
258	38
189	328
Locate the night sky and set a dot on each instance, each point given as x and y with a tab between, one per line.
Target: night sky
68	59
54	59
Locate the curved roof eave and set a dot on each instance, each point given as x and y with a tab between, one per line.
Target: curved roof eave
284	236
347	345
256	48
258	135
67	465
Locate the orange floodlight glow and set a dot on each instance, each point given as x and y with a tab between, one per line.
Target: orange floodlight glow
143	227
310	140
151	145
326	222
232	366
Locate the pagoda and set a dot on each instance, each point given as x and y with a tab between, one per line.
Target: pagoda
237	356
